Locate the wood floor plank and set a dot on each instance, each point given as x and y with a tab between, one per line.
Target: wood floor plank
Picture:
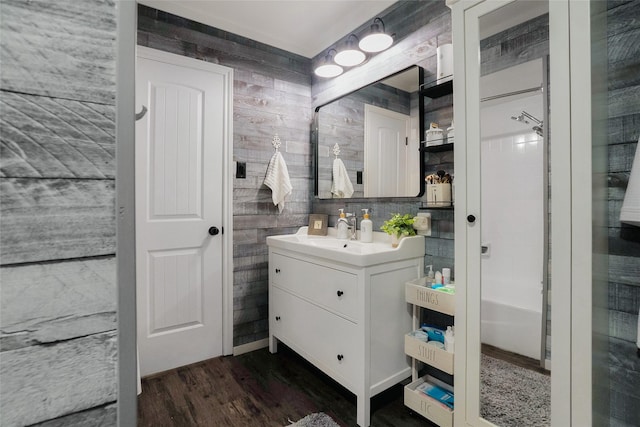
258	389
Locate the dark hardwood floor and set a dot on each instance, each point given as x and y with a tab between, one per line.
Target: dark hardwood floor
514	359
263	389
259	389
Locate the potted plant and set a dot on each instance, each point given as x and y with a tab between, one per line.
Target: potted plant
398	227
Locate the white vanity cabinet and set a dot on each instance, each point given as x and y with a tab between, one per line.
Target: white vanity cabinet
349	321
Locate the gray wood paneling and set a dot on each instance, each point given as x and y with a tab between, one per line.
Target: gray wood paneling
50	219
48	381
48	137
57	145
62	49
45	303
100	416
623	35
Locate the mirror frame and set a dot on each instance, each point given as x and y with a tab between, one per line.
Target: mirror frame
315	137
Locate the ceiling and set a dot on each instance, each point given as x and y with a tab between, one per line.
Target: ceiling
305	27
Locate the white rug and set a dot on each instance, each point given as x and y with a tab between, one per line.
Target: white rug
319	419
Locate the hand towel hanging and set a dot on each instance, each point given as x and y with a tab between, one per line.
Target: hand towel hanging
277	178
341	187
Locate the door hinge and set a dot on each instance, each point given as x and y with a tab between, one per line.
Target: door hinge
406	140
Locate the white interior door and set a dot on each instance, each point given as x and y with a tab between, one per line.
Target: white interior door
179	199
386	148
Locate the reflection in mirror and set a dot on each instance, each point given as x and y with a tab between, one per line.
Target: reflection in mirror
368	142
515	386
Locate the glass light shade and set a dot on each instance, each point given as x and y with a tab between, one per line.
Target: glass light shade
328	70
376	42
349	57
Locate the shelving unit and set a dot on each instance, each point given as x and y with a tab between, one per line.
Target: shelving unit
433	90
437	148
423	297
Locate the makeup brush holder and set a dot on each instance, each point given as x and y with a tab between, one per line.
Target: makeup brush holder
438	195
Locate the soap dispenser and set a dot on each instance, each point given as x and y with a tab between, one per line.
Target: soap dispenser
366	228
342	225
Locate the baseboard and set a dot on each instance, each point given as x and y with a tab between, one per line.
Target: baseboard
547	364
250	346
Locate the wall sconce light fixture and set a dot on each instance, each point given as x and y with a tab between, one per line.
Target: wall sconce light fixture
327	67
350	55
377	40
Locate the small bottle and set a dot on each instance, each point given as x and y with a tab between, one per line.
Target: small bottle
431	276
366	228
446	276
449	340
342	226
438	278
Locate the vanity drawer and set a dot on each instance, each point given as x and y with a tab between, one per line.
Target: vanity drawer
330	288
426	406
326	340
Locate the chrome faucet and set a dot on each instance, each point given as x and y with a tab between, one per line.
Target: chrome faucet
352	222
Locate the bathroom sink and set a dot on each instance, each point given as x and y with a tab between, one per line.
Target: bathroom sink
351	252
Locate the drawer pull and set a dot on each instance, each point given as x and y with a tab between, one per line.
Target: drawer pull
340	357
340	293
277	270
277	318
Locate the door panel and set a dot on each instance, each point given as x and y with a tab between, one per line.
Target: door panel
176	155
179	264
386	149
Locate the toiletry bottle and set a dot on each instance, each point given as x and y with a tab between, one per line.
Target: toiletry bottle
342	225
449	340
446	276
366	228
431	276
438	278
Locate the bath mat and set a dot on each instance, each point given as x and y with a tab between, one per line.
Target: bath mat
512	396
319	419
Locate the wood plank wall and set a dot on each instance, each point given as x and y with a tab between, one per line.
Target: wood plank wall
271	93
57	231
623	130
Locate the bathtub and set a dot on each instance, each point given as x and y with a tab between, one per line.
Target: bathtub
510	328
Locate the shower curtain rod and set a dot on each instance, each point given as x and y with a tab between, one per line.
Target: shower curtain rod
517	92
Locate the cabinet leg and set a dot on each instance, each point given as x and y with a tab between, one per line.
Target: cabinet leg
273	344
364	410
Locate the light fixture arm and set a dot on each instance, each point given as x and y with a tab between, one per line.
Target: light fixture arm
384	30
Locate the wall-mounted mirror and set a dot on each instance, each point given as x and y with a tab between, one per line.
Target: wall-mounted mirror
367	143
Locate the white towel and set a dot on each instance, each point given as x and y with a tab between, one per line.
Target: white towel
341	186
277	180
630	211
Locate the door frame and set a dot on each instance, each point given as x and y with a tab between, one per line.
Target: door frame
126	44
227	180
